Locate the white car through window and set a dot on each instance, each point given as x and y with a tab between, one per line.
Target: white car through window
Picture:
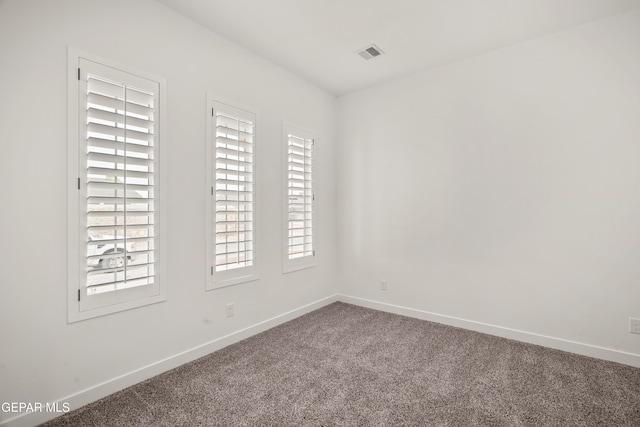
103	252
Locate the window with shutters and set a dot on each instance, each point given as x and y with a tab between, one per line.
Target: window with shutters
231	232
299	250
115	138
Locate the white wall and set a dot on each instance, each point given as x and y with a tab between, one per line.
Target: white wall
42	358
503	191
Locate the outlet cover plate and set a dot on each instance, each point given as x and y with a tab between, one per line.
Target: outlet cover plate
634	325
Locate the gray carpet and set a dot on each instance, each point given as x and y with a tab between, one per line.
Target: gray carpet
347	365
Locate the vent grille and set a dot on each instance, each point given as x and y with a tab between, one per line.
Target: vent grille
370	52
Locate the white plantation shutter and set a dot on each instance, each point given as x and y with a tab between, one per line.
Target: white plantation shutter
300	198
117	186
232	189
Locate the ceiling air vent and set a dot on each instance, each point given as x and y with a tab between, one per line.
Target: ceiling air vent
370	52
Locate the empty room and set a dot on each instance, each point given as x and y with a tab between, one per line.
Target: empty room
316	212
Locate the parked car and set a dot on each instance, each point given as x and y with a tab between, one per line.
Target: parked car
108	249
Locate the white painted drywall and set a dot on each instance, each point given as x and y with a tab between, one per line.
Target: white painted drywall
503	189
42	358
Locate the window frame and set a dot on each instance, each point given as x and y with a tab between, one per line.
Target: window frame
220	279
81	305
308	261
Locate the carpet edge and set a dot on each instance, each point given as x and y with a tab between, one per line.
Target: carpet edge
603	353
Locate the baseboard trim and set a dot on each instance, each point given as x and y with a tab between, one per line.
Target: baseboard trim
500	331
111	386
106	388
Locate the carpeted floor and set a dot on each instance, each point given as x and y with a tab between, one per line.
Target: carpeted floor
347	365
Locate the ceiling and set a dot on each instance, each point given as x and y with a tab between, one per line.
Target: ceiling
316	39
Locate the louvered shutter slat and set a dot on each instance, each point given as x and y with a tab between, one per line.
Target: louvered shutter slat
109	158
226	171
240	155
137	97
120	119
106	130
103	101
118	132
241	144
119	173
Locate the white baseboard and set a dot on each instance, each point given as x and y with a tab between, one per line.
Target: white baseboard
500	331
106	388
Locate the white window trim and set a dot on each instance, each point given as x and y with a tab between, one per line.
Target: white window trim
296	264
128	298
217	280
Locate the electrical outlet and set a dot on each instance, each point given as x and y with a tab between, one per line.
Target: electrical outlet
634	325
230	309
383	285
